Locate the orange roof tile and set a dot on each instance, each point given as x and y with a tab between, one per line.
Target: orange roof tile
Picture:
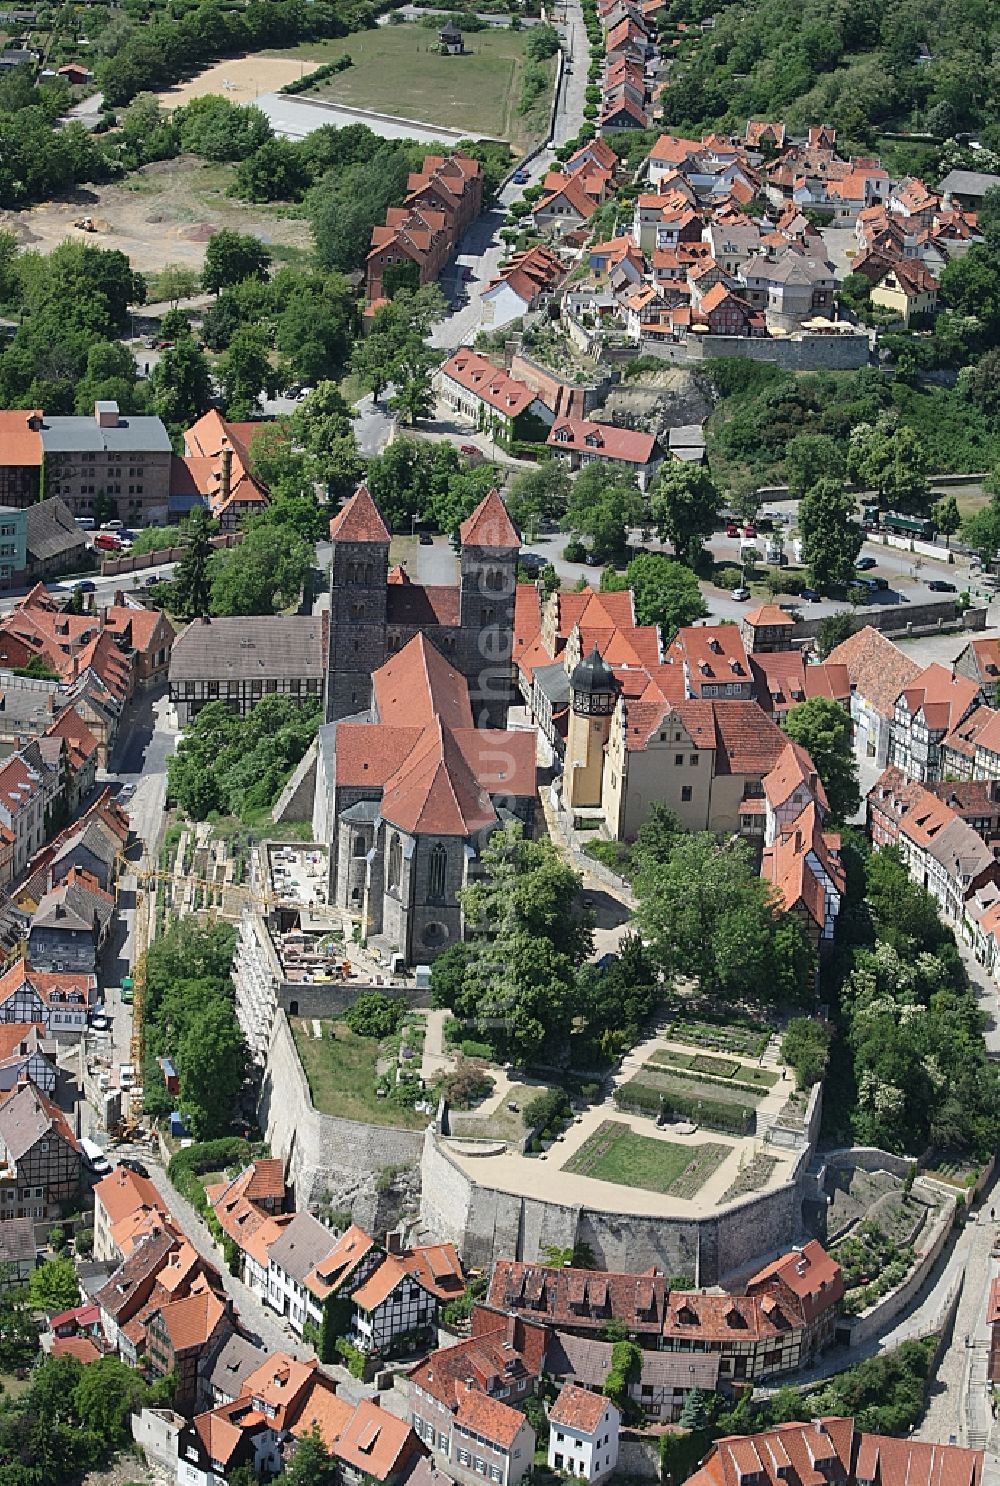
374	1441
577	1408
359	520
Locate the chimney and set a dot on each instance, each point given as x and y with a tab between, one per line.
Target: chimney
394	1242
512	1329
119	599
106	414
205	619
226	486
60	911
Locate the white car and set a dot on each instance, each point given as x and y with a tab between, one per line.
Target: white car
740	594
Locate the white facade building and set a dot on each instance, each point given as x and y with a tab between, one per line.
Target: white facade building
583	1434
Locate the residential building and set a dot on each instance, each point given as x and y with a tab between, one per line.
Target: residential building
59	1001
766	629
292	1258
375	1445
117	1199
463	1406
18	1251
878	671
238	1359
657	1391
109	456
22	809
27	1054
215	471
967	188
908	288
491	398
785	1318
980	661
70	925
926	711
444	197
52	543
582	442
184	1335
523	282
833	1450
241	661
20	457
583	1434
39	1156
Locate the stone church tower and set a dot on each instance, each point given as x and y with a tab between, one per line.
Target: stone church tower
359	570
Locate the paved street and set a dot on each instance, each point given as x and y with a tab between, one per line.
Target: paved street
481	250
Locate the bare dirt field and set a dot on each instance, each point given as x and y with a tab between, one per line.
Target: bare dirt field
242	79
165	213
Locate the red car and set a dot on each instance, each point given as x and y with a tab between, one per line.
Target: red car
749	530
471	452
732	530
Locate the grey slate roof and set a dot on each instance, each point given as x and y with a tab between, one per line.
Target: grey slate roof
235	1362
250	649
969	182
25	1120
71	906
70	434
52	532
17	1240
301	1246
553	682
589	1361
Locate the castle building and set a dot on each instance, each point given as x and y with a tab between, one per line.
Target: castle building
374	614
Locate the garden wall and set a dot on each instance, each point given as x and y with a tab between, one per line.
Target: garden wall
325	1157
800	353
874	1321
133	564
894	619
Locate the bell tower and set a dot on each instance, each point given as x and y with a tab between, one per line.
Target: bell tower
490	547
359	570
593	693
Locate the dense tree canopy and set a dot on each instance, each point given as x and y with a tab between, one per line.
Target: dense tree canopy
825	730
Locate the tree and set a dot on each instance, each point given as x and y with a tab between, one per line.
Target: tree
695	1410
263	575
175	281
212	1060
18	1327
181	384
705	912
831	536
231	257
834	629
981	530
684	504
311	1465
890	458
666	593
811	457
374	1014
245	371
413	397
603	504
276	172
946	517
542	42
53	1286
190	590
805	1047
823	728
107	1393
538	495
110	376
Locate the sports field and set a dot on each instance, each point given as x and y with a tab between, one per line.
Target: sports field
397	70
614	1153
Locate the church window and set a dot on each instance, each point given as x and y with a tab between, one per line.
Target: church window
357	611
358	847
369	574
435	934
486	615
395	861
436	876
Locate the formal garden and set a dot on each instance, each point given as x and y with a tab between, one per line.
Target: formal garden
615	1153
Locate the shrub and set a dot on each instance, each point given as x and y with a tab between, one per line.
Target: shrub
206	1155
574	551
735	1119
374	1014
805	1047
728	577
547	1109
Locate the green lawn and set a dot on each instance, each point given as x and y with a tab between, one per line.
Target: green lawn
341	1073
614	1153
397	70
673	1081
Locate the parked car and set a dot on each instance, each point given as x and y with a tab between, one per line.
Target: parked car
749	530
792	609
125	793
740	594
85	585
305	392
108	541
471	452
592	561
112	526
811	595
863	564
732	530
520	176
425	539
131	1164
941	585
532	562
99	1022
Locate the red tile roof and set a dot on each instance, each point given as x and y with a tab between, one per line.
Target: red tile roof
417	684
602	439
19	444
578	1409
878	670
376	1442
492	1420
359	520
80	1347
435	792
809	1272
489	525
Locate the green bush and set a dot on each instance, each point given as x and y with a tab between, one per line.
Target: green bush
735	1119
550	1108
354	1360
374	1014
188	1164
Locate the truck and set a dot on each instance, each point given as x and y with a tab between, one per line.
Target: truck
908	526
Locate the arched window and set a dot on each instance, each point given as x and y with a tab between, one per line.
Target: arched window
395	860
369	574
293	1008
436	875
358	847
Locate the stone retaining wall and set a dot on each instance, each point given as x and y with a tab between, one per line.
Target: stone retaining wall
876	1319
800	353
325	1158
486	1223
